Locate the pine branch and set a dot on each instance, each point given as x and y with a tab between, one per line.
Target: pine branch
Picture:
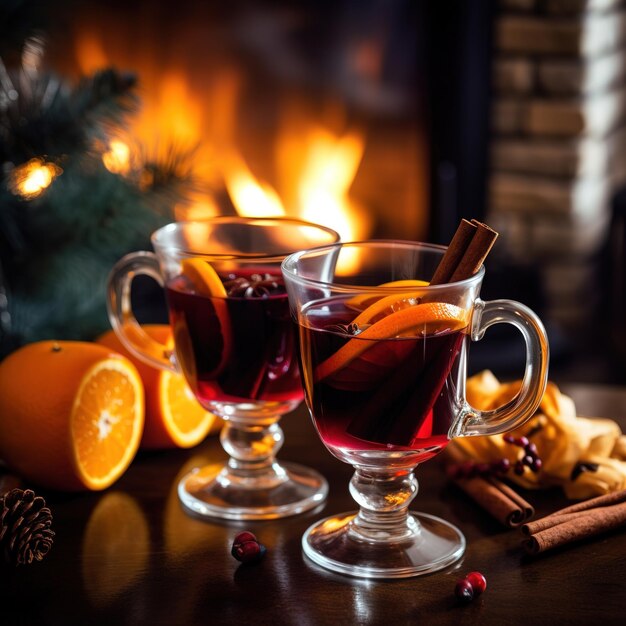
47	118
105	98
168	178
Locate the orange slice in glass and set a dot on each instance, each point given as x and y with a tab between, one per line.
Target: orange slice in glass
362	301
418	320
204	278
206	282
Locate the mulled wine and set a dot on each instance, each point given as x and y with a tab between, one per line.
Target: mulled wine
238	348
394	395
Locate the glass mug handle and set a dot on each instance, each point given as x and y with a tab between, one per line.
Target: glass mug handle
514	413
121	315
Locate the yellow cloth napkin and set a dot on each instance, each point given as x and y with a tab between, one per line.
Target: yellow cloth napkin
586	457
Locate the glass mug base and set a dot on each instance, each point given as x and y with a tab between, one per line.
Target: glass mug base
214	492
430	544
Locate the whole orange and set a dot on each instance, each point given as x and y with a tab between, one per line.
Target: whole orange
174	418
71	414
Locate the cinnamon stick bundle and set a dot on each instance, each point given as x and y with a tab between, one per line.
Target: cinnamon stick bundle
576	522
497	498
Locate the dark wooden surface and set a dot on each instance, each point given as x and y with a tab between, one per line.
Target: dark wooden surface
131	555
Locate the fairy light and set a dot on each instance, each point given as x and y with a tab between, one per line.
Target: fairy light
31	179
117	158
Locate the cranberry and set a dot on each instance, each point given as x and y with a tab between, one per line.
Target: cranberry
502	466
246	548
522	442
464	590
509	438
477	581
536	465
247	552
244	536
531	449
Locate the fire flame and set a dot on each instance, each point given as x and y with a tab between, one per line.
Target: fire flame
315	166
323	186
250	197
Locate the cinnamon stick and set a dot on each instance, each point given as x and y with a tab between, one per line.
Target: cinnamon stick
574	511
476	252
467	251
577	526
497	498
454	253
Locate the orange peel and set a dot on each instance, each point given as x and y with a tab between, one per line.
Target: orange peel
206	282
364	300
204	278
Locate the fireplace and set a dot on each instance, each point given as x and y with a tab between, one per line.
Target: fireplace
308	109
380	119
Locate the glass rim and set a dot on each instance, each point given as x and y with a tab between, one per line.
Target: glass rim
157	236
374	243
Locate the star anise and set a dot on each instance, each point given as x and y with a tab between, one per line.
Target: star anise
256	286
345	329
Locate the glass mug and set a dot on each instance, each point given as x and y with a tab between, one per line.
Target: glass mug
235	345
383	360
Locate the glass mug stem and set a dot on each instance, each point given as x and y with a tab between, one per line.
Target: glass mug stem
383	498
252	449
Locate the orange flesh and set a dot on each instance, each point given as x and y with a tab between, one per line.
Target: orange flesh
188	422
104	425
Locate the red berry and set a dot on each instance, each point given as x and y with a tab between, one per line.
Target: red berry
522	442
247	552
502	466
464	590
509	438
243	536
477	581
531	449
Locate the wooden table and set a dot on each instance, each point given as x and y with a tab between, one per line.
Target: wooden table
131	555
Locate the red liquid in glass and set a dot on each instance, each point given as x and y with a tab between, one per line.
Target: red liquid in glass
235	349
399	395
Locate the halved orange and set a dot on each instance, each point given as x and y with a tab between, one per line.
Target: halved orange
174	418
364	300
418	320
71	414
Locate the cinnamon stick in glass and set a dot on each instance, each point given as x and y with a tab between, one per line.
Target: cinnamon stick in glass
454	254
464	256
467	251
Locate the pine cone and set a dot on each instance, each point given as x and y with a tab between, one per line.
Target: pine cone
25	521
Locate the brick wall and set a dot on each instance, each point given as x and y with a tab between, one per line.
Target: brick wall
558	143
